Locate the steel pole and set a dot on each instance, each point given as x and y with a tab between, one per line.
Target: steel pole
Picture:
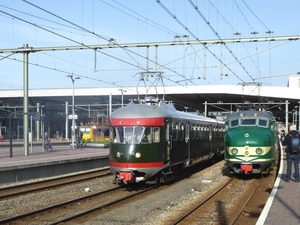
25	102
73	122
299	116
67	121
73	110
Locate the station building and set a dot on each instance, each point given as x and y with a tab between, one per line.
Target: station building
92	106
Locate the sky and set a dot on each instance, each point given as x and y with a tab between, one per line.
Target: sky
85	23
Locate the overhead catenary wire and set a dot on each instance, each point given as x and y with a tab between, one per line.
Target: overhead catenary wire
125	49
236	31
66	72
255	15
217	34
87	46
149	22
116	15
196	38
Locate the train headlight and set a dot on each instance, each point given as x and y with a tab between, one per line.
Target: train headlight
246	153
259	151
118	154
137	154
234	151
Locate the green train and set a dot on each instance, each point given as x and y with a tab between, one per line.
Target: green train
250	142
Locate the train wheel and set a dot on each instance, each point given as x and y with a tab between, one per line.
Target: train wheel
158	180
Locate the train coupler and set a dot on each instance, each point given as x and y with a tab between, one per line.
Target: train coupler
246	168
126	176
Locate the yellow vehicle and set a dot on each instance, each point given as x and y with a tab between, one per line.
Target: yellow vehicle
87	132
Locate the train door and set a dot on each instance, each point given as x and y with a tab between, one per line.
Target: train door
168	141
187	144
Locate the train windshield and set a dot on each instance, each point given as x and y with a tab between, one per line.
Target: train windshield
263	123
249	122
135	135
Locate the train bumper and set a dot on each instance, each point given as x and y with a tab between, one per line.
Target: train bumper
126	176
246	168
129	176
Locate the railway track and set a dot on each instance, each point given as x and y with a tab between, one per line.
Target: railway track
239	212
216	206
28	188
78	207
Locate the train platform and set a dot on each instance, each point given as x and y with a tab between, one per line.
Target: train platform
16	166
283	205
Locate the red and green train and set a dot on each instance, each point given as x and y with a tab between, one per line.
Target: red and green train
150	141
251	142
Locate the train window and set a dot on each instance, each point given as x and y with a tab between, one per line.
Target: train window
128	135
262	122
234	123
248	121
113	136
138	133
135	135
193	132
156	132
222	132
119	135
201	132
197	132
219	135
205	132
147	136
214	133
180	132
187	132
218	132
175	131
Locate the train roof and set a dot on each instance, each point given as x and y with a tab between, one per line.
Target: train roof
251	113
158	109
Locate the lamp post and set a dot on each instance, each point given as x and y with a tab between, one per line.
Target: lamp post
122	91
293	116
73	110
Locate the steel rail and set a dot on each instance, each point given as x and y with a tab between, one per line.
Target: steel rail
27	188
201	203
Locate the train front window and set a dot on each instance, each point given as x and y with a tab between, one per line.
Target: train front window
147	136
234	123
262	122
133	135
156	134
248	122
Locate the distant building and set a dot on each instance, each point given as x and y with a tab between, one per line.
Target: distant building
294	82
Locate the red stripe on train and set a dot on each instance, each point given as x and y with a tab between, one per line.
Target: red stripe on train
137	121
136	165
